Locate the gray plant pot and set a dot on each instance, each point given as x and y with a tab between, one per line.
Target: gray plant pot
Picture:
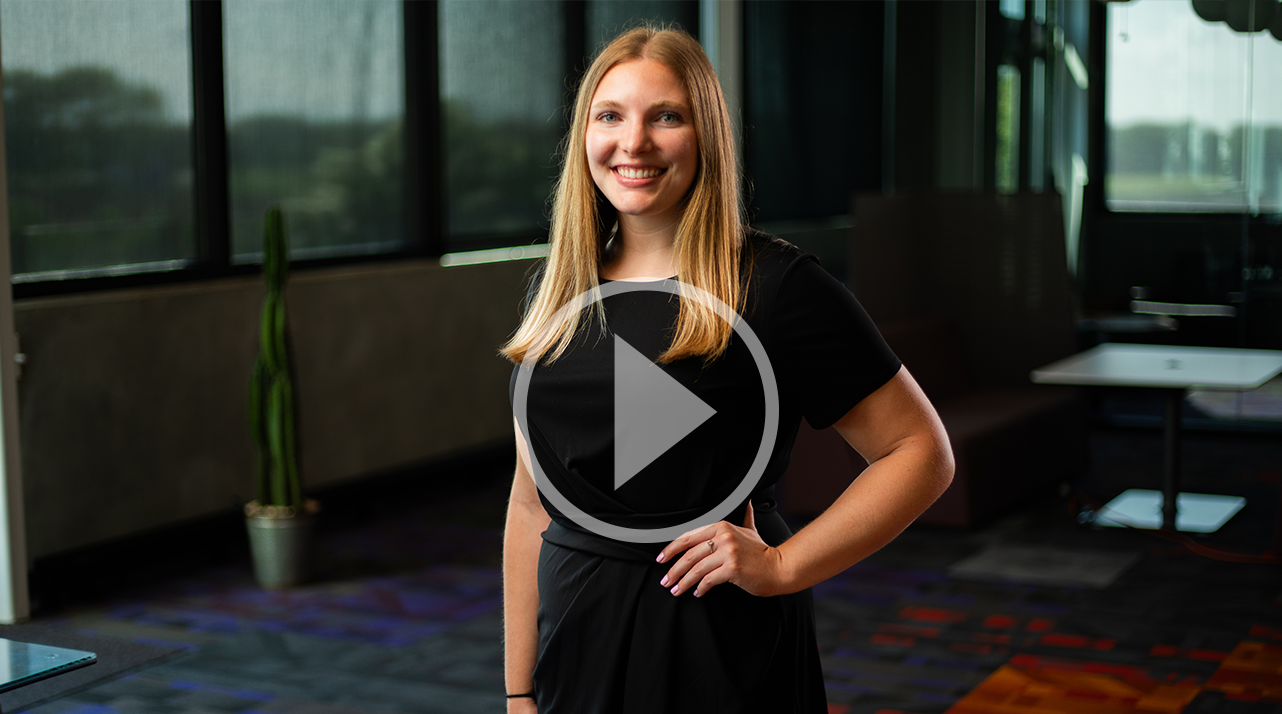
282	548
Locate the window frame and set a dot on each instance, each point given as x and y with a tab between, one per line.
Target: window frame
426	234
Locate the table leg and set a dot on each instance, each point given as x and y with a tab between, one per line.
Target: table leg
1174	399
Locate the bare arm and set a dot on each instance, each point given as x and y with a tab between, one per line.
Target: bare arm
526	520
910	463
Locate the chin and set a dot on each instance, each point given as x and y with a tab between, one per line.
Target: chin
633	210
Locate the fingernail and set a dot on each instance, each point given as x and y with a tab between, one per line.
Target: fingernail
696	593
674	589
664	582
660	558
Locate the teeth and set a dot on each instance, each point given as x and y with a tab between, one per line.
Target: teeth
632	173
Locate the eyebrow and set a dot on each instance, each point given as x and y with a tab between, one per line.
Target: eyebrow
611	104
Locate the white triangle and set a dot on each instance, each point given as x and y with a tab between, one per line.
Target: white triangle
652	412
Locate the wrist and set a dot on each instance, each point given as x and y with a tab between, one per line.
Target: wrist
785	576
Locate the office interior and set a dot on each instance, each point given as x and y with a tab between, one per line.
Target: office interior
1001	183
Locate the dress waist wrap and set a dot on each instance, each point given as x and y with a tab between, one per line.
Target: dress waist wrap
567	534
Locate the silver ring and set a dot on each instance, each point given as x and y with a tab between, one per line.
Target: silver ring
712	546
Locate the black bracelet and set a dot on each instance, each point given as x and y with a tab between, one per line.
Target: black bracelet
518	696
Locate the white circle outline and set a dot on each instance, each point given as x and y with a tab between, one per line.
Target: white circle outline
768	436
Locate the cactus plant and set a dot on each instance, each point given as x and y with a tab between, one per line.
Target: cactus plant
272	409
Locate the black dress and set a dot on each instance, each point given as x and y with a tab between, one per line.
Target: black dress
612	640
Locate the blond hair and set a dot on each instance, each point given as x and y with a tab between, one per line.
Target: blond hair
709	236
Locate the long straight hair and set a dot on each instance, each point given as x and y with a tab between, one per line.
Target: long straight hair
709	236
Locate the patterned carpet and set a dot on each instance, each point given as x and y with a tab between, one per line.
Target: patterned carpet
405	615
1170	633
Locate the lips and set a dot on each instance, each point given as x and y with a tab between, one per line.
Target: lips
638	172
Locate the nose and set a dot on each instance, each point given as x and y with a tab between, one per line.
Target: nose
636	140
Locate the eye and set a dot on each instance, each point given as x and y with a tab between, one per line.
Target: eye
607	117
669	118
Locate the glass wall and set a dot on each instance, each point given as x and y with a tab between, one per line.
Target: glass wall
1193	111
315	99
97	108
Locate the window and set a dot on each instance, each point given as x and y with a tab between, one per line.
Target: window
504	113
1007	161
607	18
501	113
148	137
98	112
315	103
812	106
1194	117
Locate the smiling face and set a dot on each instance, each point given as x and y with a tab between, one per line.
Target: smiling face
641	145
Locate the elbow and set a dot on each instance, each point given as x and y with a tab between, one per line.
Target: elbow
945	463
946	469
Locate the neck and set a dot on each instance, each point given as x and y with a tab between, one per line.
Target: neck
644	247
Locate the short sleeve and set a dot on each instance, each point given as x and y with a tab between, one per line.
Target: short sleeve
828	355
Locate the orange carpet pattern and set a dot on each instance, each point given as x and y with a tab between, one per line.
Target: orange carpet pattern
1251	673
1041	685
1029	684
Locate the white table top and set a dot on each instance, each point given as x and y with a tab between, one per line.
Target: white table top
1125	365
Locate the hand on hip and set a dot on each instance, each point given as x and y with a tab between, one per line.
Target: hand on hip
723	553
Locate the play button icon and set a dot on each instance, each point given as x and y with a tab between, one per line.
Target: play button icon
652	411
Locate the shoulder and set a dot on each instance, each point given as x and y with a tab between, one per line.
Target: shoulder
769	252
769	262
768	266
767	258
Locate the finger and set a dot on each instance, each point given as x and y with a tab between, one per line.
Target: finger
685	540
749	519
712	579
726	560
699	572
697	552
710	539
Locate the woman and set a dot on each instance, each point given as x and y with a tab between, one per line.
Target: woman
720	619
